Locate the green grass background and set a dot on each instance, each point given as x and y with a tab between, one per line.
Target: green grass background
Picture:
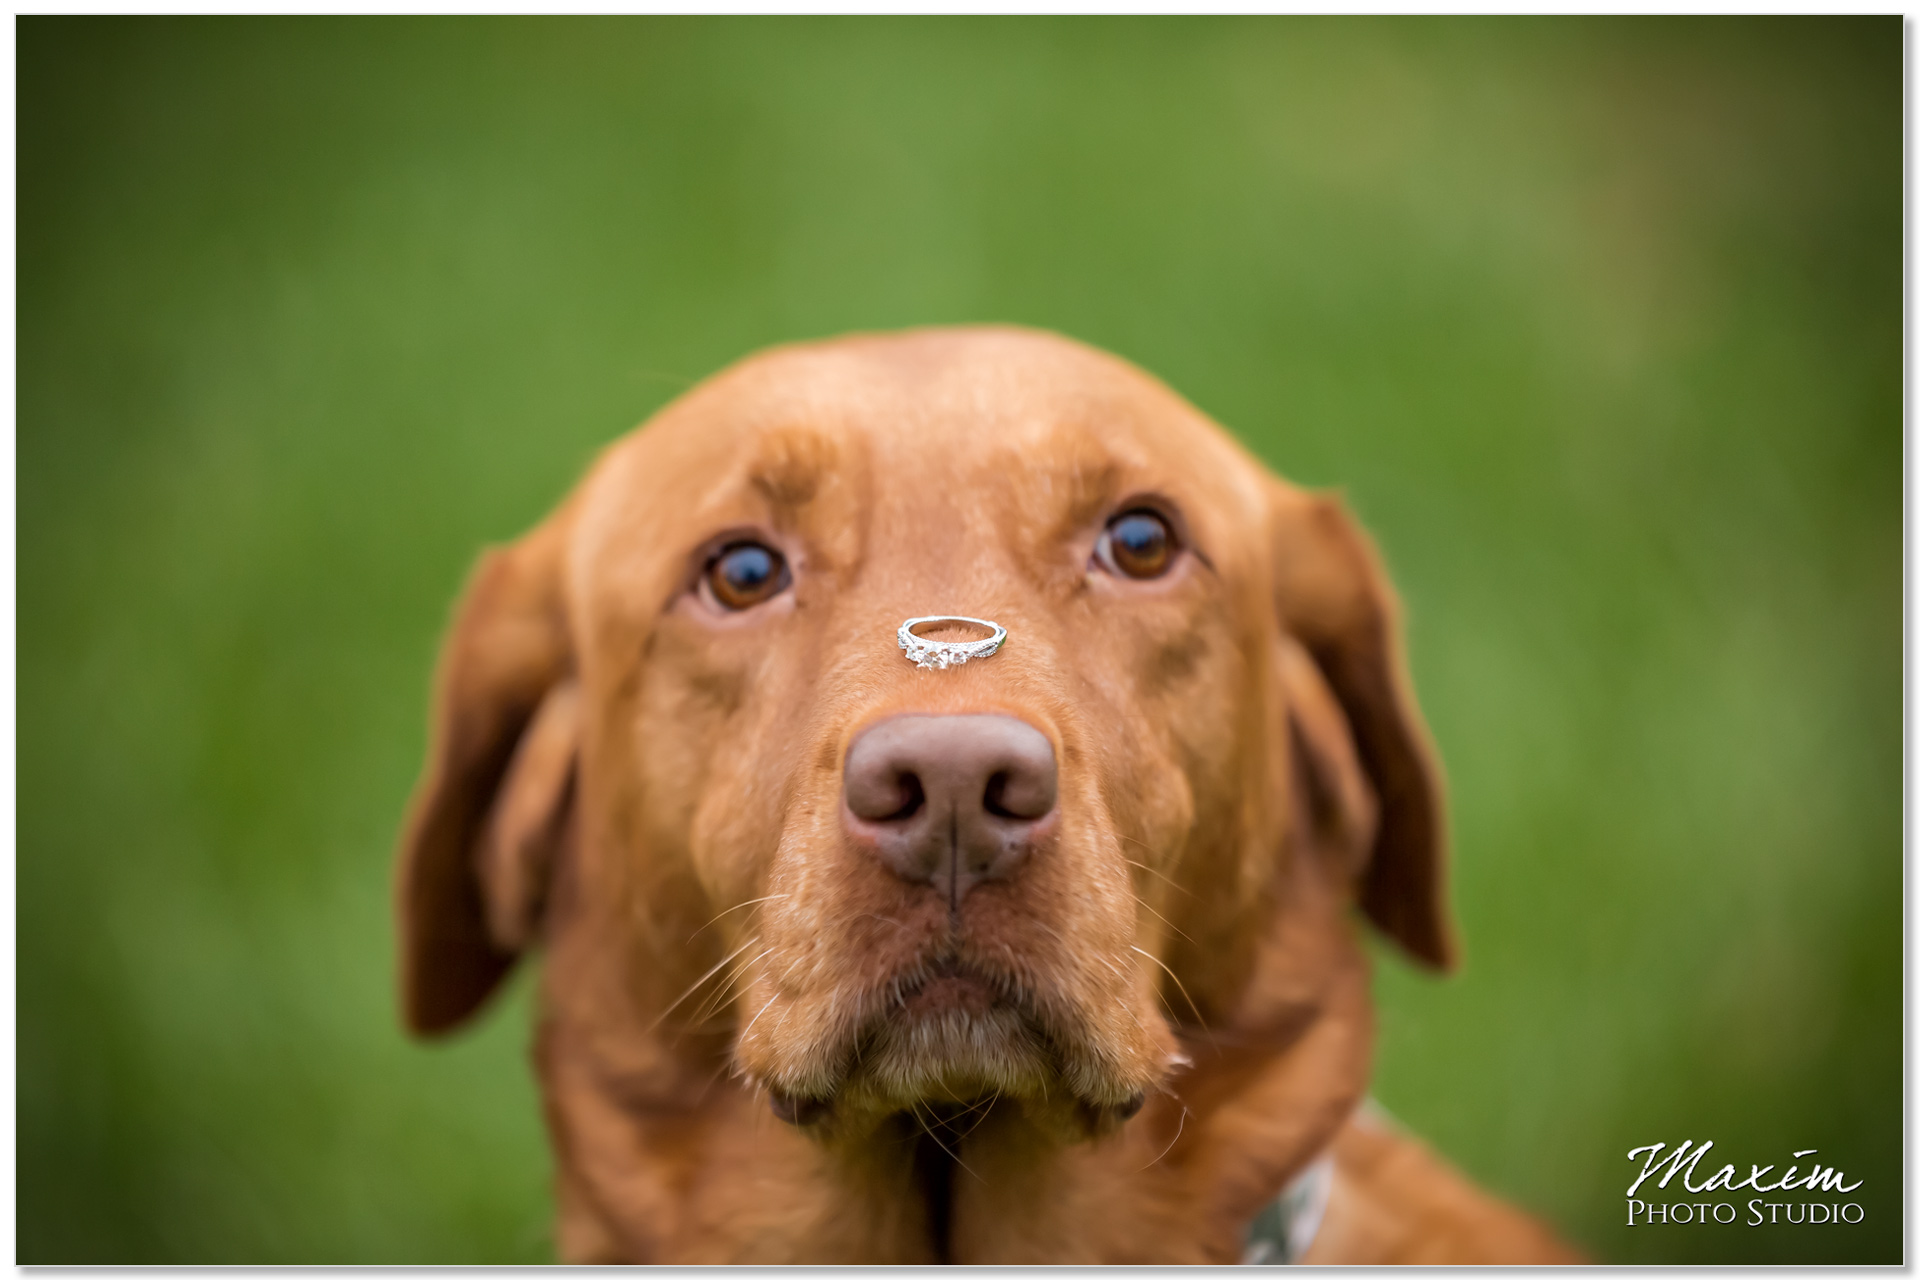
1598	323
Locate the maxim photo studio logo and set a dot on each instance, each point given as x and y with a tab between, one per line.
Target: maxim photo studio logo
1819	1196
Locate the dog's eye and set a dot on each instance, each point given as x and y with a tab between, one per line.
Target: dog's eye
1138	544
746	573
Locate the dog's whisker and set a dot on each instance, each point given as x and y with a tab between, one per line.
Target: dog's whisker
1198	1016
977	1104
1111	967
772	897
997	1095
795	963
951	1153
698	982
1184	1113
756	1017
1151	871
718	1000
1142	902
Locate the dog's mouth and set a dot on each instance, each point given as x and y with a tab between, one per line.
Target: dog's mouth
951	989
944	982
949	1031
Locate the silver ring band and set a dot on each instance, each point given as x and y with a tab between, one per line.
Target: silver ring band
941	654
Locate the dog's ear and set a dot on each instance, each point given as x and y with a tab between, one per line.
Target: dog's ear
1334	600
493	804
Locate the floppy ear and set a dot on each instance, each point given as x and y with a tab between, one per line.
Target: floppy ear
1334	599
492	806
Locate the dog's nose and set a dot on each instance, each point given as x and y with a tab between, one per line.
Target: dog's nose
950	801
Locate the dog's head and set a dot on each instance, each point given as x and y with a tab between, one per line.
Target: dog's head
676	737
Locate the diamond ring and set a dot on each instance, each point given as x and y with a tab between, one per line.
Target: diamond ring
929	654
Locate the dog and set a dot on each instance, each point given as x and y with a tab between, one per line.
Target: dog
1048	954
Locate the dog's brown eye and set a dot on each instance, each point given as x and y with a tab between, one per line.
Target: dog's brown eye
745	574
1138	544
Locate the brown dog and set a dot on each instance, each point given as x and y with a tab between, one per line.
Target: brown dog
1046	957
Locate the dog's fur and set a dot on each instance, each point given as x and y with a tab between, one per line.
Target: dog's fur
649	787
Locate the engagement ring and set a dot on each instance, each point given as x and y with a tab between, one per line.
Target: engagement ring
929	654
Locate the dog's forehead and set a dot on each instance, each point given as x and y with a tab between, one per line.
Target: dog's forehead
959	403
952	417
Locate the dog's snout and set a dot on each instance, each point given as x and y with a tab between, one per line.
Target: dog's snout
950	801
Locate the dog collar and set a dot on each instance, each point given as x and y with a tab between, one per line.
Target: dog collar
1282	1231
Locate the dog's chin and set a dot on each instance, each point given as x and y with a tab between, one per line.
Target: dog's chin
954	1036
954	1040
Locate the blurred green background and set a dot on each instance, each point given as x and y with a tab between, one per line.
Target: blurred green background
1597	322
